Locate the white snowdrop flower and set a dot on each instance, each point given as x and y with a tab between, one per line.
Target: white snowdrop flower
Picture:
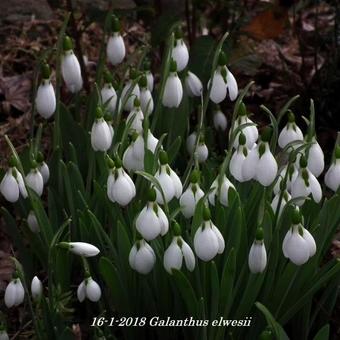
34	179
316	160
115	48
177	251
190	142
45	100
142	258
208	240
90	289
14	293
152	221
168	180
292	175
101	134
220	120
191	196
275	202
136	117
120	187
36	288
131	91
238	158
222	192
146	100
173	90
32	222
44	170
249	164
130	161
218	90
257	258
109	97
179	52
250	132
290	133
306	184
193	85
298	244
70	68
150	79
232	86
266	167
332	176
81	248
3	334
202	151
218	84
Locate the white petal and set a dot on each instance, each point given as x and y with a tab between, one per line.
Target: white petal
45	171
10	294
167	186
173	257
150	80
316	161
180	54
36	288
310	241
33	222
109	97
220	121
115	49
173	91
84	249
101	137
93	291
45	100
132	256
188	203
177	183
202	153
81	292
218	90
190	142
189	257
250	165
20	293
9	187
21	185
35	181
284	243
145	259
232	86
332	177
206	243
257	259
220	238
266	169
71	73
148	224
136	117
193	85
226	185
129	100
315	188
146	101
236	165
297	249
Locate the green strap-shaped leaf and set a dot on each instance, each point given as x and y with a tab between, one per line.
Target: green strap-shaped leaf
323	333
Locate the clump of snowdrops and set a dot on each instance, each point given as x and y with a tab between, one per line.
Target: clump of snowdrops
131	213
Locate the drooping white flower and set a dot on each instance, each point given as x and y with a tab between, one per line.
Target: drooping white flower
32	222
176	252
142	258
232	86
133	158
173	90
169	181
257	258
81	248
250	132
306	184
208	240
218	85
220	120
260	164
14	293
34	180
148	74
146	100
70	68
290	133
201	152
131	91
45	100
298	244
109	97
12	184
115	48
191	196
101	134
44	170
221	192
120	187
179	52
36	288
90	289
316	160
136	117
152	221
238	158
193	85
332	176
